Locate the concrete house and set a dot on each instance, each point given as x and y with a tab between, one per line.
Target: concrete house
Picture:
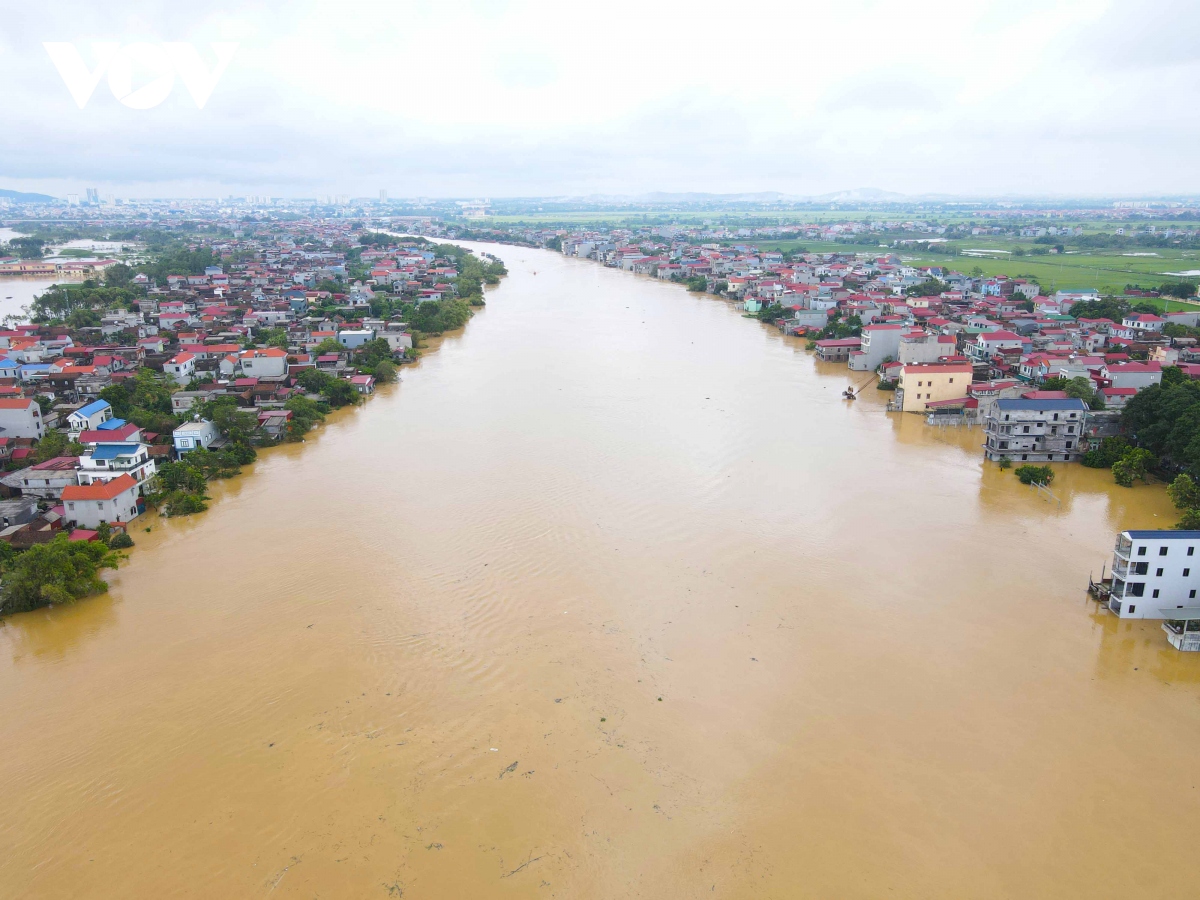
109	501
1139	326
1026	430
1136	375
269	362
990	343
21	417
181	367
351	339
109	461
89	417
45	480
837	349
879	342
198	434
925	347
399	341
922	384
1155	575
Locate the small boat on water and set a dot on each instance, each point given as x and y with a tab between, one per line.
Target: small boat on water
849	393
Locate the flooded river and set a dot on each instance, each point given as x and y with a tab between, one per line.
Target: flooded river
613	596
18	291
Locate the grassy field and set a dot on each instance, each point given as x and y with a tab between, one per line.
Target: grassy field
1107	271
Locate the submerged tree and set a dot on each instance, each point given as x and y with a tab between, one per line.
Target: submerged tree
56	572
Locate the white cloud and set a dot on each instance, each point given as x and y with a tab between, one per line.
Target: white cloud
505	98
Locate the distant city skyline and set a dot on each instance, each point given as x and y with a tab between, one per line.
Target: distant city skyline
1079	98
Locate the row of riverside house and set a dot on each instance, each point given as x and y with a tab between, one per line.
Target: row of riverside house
204	336
976	352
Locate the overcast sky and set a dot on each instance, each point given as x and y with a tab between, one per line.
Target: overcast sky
492	99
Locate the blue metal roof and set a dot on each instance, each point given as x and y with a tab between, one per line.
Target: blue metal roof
110	425
1164	535
92	408
1071	404
114	451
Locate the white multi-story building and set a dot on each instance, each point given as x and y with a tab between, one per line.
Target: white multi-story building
181	367
89	418
108	461
105	501
1155	574
879	343
21	417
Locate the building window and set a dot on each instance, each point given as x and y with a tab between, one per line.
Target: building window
1162	551
1191	550
1133	609
1025	429
1158	573
1187	572
1141	551
1191	595
1135	589
1155	594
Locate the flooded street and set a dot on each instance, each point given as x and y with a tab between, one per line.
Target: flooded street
18	291
613	596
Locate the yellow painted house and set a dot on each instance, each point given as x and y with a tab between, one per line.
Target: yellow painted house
925	383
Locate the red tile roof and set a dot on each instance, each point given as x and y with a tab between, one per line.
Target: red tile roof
106	490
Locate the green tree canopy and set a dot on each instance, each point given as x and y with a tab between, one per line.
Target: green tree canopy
1165	420
336	391
56	572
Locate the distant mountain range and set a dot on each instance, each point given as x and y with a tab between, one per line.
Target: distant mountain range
20	197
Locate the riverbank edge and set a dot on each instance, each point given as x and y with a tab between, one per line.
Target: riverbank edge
248	469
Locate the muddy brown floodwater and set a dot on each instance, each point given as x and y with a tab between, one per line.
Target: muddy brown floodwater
613	596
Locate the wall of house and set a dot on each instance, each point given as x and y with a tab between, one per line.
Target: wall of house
90	513
881	344
924	386
925	351
1052	435
1136	380
265	366
1175	589
21	423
